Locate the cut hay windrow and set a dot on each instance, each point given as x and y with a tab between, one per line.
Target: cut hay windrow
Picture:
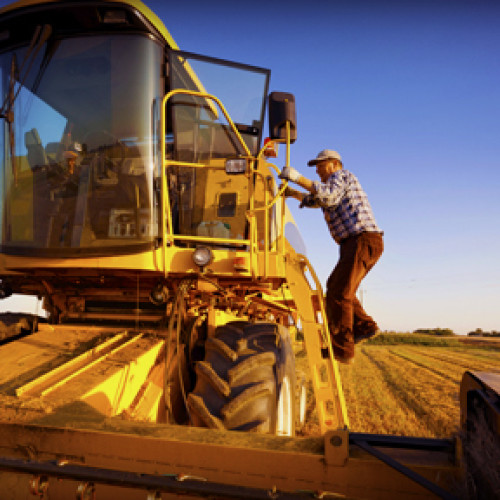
472	359
410	390
430	396
372	406
443	368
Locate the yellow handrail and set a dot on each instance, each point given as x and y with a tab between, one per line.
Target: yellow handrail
204	95
279	194
252	241
166	216
209	239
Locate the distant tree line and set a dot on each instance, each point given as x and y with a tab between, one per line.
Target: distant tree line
478	332
442	332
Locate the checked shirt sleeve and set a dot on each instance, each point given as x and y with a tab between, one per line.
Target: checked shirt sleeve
345	205
330	193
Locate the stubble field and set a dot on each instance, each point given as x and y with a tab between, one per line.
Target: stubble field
404	389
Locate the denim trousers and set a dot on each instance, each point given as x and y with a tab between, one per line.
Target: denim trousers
358	254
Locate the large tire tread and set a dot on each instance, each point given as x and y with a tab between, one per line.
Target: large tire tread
205	370
222	348
246	398
237	383
197	405
250	364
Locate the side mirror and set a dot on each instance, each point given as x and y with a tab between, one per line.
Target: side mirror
282	110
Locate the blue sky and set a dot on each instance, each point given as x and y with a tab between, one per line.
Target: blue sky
409	94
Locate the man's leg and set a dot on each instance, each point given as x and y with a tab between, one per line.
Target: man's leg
341	289
363	322
364	326
357	256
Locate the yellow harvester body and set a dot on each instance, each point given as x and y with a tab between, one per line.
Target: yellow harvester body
146	216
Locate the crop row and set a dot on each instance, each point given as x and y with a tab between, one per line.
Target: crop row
431	362
372	405
404	389
433	398
469	359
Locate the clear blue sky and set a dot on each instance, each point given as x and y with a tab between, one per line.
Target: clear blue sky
409	93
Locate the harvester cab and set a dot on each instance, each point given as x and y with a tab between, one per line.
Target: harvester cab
136	194
138	203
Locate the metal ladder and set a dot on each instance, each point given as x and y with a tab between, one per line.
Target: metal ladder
330	402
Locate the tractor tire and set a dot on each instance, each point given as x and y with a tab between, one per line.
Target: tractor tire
246	381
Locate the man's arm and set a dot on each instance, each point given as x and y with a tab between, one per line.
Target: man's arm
306	200
290	174
293	193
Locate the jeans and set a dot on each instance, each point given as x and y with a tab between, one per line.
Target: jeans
358	254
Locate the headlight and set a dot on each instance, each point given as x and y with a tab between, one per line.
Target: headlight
236	166
202	256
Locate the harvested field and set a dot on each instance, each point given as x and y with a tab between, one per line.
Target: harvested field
405	389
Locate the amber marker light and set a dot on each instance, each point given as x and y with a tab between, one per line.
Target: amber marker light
270	148
240	264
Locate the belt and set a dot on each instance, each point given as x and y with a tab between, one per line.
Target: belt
343	240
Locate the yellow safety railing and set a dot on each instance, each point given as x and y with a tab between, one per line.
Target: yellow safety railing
279	196
166	217
252	242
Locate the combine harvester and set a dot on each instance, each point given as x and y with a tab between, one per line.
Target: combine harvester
146	216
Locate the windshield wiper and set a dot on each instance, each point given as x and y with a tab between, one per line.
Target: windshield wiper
40	36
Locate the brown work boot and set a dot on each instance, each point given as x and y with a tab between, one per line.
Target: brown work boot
361	337
343	347
364	330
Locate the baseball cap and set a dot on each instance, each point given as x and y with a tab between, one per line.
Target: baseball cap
326	154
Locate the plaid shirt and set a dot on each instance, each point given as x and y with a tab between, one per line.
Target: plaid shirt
345	205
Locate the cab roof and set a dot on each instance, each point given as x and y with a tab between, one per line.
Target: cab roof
150	20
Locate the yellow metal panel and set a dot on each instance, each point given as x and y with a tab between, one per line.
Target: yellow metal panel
69	369
145	260
268	462
147	407
120	386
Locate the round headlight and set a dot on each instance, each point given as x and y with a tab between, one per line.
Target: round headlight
202	256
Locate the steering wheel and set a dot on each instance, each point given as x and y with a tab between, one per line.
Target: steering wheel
101	141
106	154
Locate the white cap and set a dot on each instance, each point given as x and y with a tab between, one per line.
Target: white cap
326	154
